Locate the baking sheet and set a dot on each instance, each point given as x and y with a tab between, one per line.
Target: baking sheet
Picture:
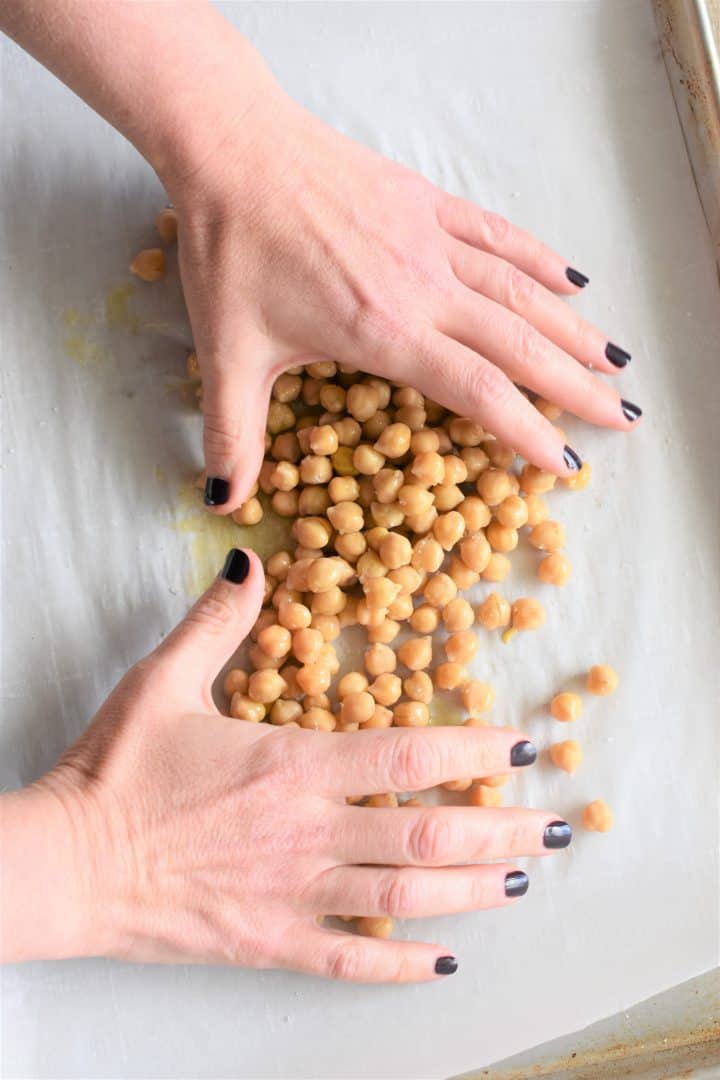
558	115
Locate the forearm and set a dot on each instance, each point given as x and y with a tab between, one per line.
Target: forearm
158	72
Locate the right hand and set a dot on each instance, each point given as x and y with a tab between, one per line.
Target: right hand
199	838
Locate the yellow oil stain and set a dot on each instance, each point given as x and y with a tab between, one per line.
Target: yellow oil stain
83	351
444	712
72	317
117	308
184	389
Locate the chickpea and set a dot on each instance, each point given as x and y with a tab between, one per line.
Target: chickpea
375	536
527	614
348	431
313	679
322	369
439	590
315	469
368	616
286	447
462	575
476	513
312	532
306	644
268	617
497	569
414	499
382	386
407	395
480	795
547	536
285	503
384	632
386	485
411	714
278	565
342	461
352	683
461	646
445	443
390	515
380	592
421	523
318	720
275	641
249	513
381	718
427	554
357	708
367	460
235	682
424	619
547	409
265	484
280	417
412	415
448	529
268	588
566	755
494	486
265	686
289	674
458	615
332	398
244	708
310	392
597	816
149	265
330	602
457	785
494	612
554	569
395	551
285	476
370	565
346	517
418	687
323	440
450	675
476	461
380	660
534	481
602	680
361	401
328	658
349	614
475	552
322	574
166	224
313	501
401	607
428	467
512	512
328	626
476	721
412	802
493	781
386	688
407	579
350	545
447	497
477	696
578	480
537	509
394	442
193	371
285	712
502	457
501	537
416	653
464	432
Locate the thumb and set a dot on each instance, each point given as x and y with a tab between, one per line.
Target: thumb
212	630
235	406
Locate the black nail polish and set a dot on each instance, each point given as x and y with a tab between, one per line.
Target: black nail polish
217	491
558	834
446	965
237	566
630	411
576	277
516	883
616	355
523	753
572	460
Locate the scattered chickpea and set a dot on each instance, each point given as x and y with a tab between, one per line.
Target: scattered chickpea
313	679
597	816
285	712
554	569
537	509
149	264
548	410
512	512
380	660
428	468
352	683
166	224
450	675
386	800
235	682
547	536
412	803
249	513
407	578
394	442
318	720
534	481
411	714
285	503
602	680
366	460
447	497
497	569
476	721
476	553
493	781
481	795
461	646
501	537
527	614
458	785
265	686
418	687
493	486
401	607
566	755
427	554
381	718
439	590
357	708
502	457
458	615
566	707
494	612
448	529
424	619
244	708
476	461
465	432
275	641
461	574
375	926
414	499
578	480
395	551
477	696
386	485
384	632
193	370
342	461
416	653
350	545
386	688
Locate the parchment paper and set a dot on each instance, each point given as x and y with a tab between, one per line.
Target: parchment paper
559	116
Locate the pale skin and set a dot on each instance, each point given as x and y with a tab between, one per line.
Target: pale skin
170	832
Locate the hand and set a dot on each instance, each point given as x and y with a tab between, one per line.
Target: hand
297	243
200	838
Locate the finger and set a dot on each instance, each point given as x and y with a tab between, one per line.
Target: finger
444	835
195	651
236	393
466	382
412	893
494	234
499	280
335	955
532	360
408	759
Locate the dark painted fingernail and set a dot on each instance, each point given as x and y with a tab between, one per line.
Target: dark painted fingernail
516	883
558	834
237	566
576	277
523	753
217	491
572	460
616	355
446	965
631	412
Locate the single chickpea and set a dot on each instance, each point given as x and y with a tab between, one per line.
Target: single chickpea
361	401
554	569
407	578
285	476
414	499
464	432
427	554
424	442
602	680
416	653
445	443
349	614
313	679
332	398
421	523
390	515
499	455
384	632
512	512
461	646
348	431
316	701
352	683
401	608
448	529
266	470
285	447
480	795
537	509
280	417
235	682
370	565
494	612
383	388
497	569
418	687
458	615
315	469
285	712
310	392
476	461
249	513
318	720
475	552
597	816
439	590
477	696
293	615
244	708
395	550
566	755
534	481
454	470
346	517
149	265
447	497
369	616
275	641
476	513
501	537
342	461
285	503
296	577
476	721
407	395
428	467
411	714
493	781
386	688
306	644
357	708
269	588
394	442
330	602
375	536
385	801
313	501
494	486
424	619
457	785
527	614
386	485
549	411
328	626
381	718
289	674
166	224
322	369
350	545
412	415
547	536
450	675
323	440
380	660
312	532
578	480
462	575
323	573
278	565
265	686
380	592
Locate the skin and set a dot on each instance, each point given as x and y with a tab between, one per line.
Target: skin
295	243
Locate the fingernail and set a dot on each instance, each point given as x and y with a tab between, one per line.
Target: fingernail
558	834
237	566
446	965
572	460
616	355
576	277
631	412
523	753
217	491
516	883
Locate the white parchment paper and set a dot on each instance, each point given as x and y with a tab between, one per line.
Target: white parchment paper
559	116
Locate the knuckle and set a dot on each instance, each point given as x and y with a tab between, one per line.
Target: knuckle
492	387
525	342
519	290
414	761
496	227
213	612
431	839
344	961
220	434
398	896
